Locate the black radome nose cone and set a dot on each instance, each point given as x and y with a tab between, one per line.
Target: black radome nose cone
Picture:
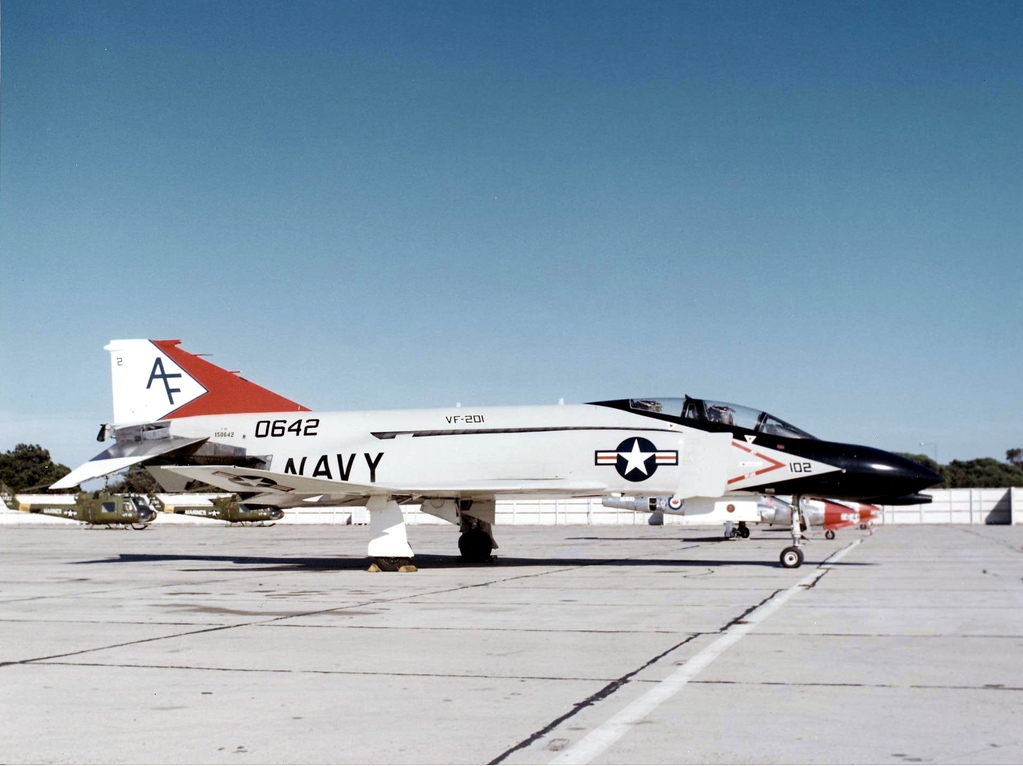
916	476
931	477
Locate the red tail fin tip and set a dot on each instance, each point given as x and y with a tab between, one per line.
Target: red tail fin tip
226	392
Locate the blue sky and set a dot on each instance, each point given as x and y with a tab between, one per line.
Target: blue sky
811	208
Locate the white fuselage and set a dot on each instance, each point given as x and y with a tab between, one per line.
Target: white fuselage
601	449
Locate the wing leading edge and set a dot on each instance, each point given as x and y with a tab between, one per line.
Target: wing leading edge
239	479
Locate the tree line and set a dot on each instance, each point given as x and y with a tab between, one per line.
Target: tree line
29	467
977	473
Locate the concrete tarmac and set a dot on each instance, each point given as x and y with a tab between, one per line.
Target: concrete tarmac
212	644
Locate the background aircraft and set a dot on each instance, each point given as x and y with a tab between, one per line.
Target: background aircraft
734	512
222	507
189	419
92	508
843	515
828	515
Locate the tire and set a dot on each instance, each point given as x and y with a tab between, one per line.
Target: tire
475	546
830	534
390	563
791	557
744	532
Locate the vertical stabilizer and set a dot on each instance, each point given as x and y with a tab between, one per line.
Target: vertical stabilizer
7	498
154	380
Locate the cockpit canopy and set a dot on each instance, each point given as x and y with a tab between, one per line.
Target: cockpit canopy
722	413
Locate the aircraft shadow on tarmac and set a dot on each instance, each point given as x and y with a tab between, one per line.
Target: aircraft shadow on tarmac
422	561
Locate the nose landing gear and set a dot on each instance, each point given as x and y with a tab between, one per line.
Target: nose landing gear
792	557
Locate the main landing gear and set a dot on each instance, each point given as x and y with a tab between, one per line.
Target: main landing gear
475	546
388	545
476	543
830	534
792	557
392	564
739	530
389	550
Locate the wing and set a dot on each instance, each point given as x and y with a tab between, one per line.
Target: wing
287	487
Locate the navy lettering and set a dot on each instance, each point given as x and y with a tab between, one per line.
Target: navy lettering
289	467
322	468
343	470
373	465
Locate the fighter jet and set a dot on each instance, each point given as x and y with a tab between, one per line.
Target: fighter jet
186	418
221	507
92	508
736	516
843	515
734	512
829	515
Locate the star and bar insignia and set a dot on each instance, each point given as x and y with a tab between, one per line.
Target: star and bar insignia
636	458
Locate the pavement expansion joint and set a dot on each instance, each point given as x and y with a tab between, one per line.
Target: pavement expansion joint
854	685
593	699
316	672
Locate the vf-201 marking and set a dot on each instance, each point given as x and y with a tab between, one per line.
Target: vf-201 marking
464	418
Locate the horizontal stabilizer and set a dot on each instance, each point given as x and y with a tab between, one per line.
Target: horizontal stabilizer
121	456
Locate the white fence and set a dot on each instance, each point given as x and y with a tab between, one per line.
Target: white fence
950	506
961	506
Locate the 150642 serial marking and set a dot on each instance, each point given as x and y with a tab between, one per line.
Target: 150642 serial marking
300	427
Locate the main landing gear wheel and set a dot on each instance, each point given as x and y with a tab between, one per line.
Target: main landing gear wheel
475	546
392	564
830	534
791	557
743	530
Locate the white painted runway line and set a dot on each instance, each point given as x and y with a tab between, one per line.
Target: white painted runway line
605	735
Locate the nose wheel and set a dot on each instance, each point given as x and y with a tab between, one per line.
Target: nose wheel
791	557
